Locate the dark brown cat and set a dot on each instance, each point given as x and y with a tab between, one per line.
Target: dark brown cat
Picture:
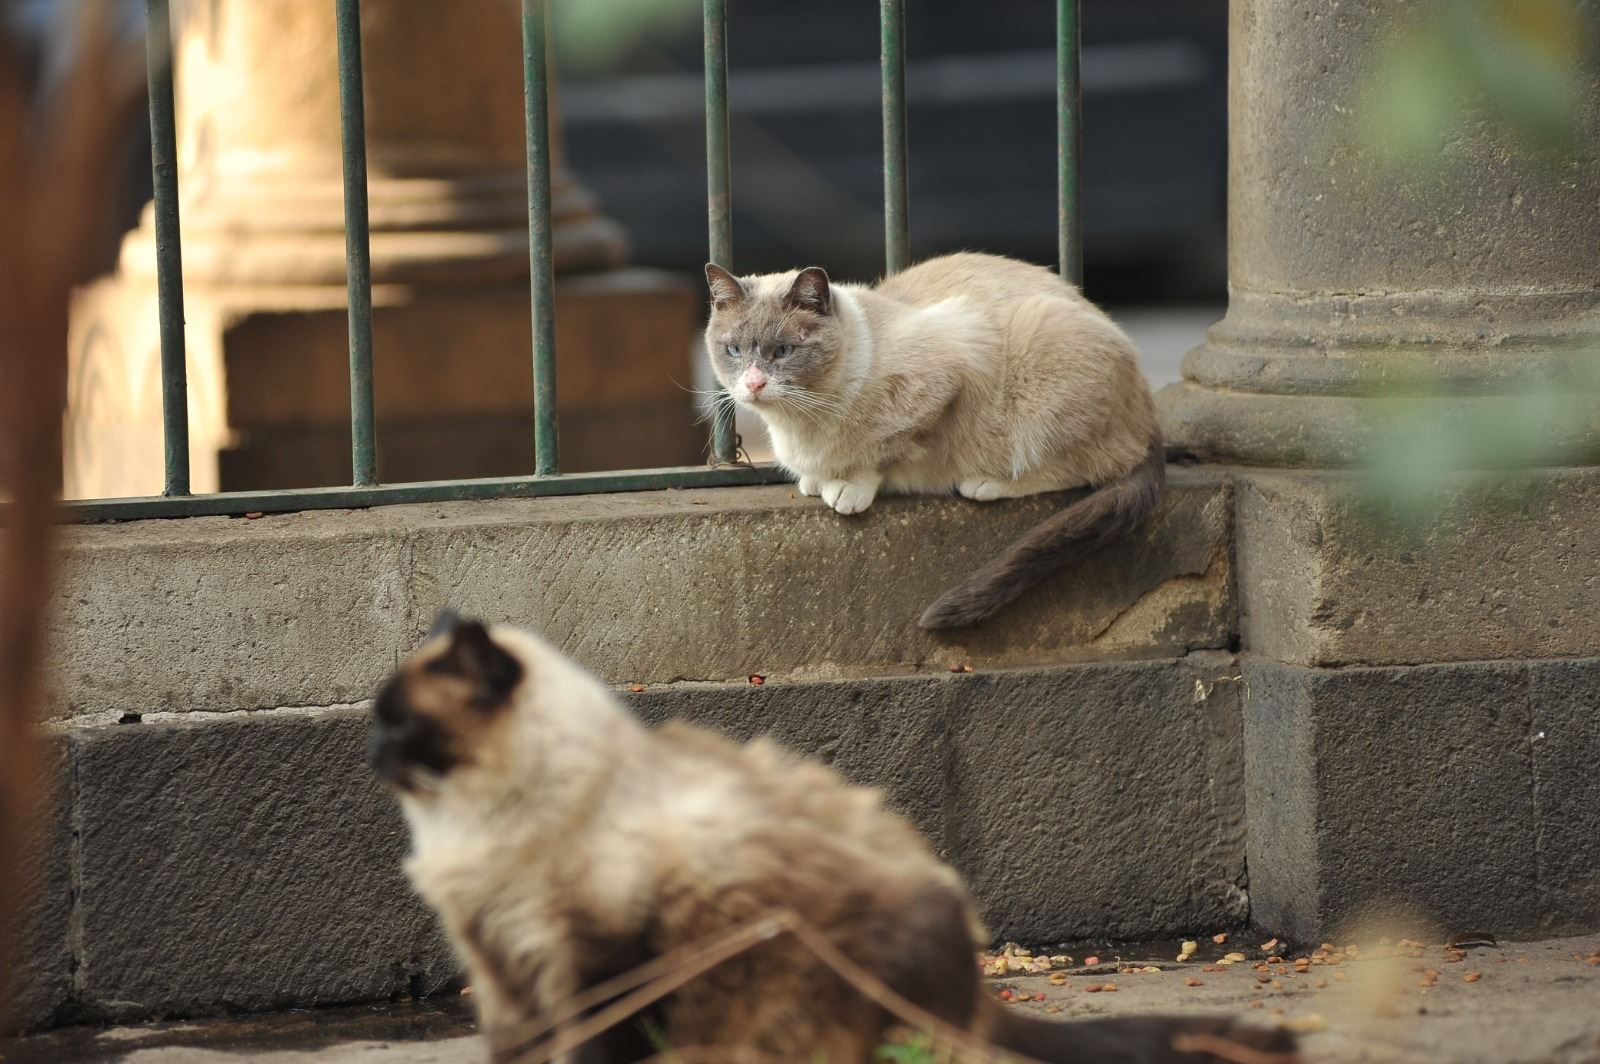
563	843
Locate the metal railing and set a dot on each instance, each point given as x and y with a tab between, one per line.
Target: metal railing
547	479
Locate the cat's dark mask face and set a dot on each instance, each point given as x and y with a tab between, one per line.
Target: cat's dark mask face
773	347
438	706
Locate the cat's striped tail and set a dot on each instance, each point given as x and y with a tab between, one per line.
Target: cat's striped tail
1109	511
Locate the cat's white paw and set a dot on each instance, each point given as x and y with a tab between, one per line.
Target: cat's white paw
849	496
981	490
810	486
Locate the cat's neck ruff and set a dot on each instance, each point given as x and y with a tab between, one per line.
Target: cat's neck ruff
858	352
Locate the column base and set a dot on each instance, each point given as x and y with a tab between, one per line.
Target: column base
1303	380
453	382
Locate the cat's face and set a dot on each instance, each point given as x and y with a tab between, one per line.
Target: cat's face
443	706
773	343
478	716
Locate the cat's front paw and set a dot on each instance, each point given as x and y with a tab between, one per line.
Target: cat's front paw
982	490
849	496
810	486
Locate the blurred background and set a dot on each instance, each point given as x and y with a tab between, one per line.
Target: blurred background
980	86
807	147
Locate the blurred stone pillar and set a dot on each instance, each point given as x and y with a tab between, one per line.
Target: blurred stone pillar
1419	731
1352	275
264	268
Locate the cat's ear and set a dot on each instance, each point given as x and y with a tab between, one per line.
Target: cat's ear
444	622
810	291
474	656
724	286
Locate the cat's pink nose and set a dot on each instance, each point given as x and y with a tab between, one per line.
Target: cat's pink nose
754	380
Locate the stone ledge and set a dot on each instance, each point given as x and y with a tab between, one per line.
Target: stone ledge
312	609
1094	799
1505	571
1461	795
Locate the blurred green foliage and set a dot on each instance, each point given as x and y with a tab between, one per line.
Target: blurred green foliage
1515	63
595	36
1512	74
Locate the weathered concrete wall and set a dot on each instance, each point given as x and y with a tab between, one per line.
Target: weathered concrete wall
1459	795
312	609
1411	721
1506	570
250	860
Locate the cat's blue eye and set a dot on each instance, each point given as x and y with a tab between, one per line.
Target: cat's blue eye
733	350
781	350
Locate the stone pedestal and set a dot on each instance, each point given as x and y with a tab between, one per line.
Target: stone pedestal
1412	745
264	270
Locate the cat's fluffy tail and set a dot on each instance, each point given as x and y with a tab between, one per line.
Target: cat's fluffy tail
1142	1040
1106	513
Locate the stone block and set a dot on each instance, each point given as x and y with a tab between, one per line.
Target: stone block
1087	800
248	861
312	609
1565	737
39	987
1103	800
1506	571
270	382
220	614
718	584
1450	797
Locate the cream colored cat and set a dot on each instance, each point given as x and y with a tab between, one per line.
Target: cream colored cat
976	373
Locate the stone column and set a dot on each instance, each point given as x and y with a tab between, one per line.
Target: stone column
1419	732
1352	273
264	267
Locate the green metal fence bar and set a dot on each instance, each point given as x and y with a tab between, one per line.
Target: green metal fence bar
1069	142
169	251
536	103
344	498
719	215
896	227
357	242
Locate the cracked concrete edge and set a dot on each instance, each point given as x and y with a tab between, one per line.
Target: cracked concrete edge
311	609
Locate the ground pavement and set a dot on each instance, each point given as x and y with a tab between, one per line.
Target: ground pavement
1392	1002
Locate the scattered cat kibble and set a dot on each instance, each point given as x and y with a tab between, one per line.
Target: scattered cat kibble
1192	981
1268	947
1038	996
1472	977
1058	979
1219	939
636	687
758	680
1091	961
